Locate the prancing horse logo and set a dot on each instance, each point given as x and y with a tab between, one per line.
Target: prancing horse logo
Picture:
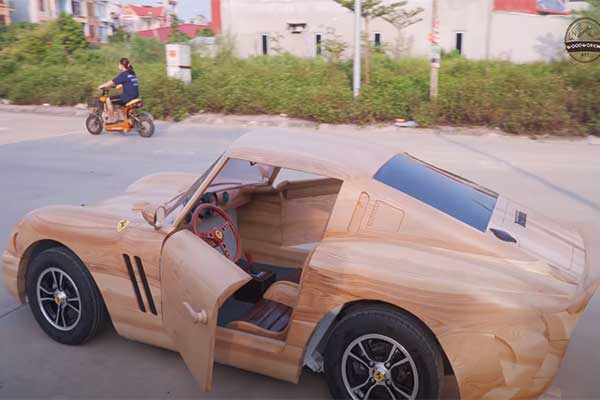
122	225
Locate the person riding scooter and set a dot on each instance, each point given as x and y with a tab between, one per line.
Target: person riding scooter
129	82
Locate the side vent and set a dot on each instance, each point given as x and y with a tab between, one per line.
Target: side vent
138	261
136	288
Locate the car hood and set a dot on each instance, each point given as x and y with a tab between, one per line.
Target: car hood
152	189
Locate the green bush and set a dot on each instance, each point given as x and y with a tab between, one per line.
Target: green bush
49	64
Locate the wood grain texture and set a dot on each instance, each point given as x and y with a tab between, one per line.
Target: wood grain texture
283	292
192	298
502	312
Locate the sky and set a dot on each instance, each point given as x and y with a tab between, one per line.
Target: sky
186	9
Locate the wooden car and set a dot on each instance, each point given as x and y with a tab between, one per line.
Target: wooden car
378	269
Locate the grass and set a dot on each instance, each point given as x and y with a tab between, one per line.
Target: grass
557	98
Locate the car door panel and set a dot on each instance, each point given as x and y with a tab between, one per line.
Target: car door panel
196	280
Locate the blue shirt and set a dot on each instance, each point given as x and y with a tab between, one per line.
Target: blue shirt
130	86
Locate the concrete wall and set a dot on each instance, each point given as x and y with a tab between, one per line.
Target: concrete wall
246	20
526	38
486	34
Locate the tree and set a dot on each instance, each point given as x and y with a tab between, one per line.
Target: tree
70	34
175	36
206	32
593	11
372	9
119	35
401	19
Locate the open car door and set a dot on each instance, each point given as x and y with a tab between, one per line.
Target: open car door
196	280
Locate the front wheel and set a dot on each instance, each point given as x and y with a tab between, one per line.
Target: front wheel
377	352
63	297
145	124
94	124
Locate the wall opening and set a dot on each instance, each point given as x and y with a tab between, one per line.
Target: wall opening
459	42
318	44
377	39
264	41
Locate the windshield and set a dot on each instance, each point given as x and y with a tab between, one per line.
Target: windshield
449	193
235	173
183	198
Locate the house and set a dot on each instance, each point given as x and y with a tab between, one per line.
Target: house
135	17
162	34
514	30
5	10
95	26
190	29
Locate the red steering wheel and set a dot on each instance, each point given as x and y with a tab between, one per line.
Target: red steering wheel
216	236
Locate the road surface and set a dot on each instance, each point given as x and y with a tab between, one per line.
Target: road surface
51	160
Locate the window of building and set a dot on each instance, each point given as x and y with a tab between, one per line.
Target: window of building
42	4
264	42
2	20
377	39
90	10
76	7
318	44
459	42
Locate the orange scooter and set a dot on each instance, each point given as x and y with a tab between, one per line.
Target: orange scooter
134	119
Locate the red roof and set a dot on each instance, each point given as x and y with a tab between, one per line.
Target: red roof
147	11
530	6
162	34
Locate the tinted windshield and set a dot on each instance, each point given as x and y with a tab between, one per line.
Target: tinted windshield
444	191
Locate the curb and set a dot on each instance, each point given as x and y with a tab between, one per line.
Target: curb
282	121
37	109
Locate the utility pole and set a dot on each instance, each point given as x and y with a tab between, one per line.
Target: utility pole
435	50
357	50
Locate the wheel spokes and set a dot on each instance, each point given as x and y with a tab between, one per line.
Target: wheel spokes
402	392
60	305
367	364
390	392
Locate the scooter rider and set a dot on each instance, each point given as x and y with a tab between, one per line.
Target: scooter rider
129	82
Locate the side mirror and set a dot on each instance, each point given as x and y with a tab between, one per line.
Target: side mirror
154	215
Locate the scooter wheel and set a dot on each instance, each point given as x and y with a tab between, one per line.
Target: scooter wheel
94	124
145	125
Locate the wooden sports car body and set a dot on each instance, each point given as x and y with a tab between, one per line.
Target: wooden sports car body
498	286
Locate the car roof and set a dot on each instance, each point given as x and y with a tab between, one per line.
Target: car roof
331	155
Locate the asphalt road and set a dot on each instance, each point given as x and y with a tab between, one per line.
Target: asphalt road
51	160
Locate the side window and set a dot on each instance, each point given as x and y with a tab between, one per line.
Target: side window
448	193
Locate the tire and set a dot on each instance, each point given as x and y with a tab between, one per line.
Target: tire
76	283
378	328
94	124
145	124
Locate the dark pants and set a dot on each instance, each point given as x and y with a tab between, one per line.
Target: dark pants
116	100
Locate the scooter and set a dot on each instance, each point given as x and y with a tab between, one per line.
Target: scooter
134	119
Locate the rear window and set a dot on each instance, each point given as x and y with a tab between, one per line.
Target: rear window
442	190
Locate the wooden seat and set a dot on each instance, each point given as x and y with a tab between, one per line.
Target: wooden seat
269	315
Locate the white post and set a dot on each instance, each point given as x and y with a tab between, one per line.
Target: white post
357	35
435	50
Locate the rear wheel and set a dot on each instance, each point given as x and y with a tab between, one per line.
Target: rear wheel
63	297
145	124
377	352
94	124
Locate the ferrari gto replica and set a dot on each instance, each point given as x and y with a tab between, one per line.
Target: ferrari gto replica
379	270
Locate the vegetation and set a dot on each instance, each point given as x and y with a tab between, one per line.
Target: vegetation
394	13
42	65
